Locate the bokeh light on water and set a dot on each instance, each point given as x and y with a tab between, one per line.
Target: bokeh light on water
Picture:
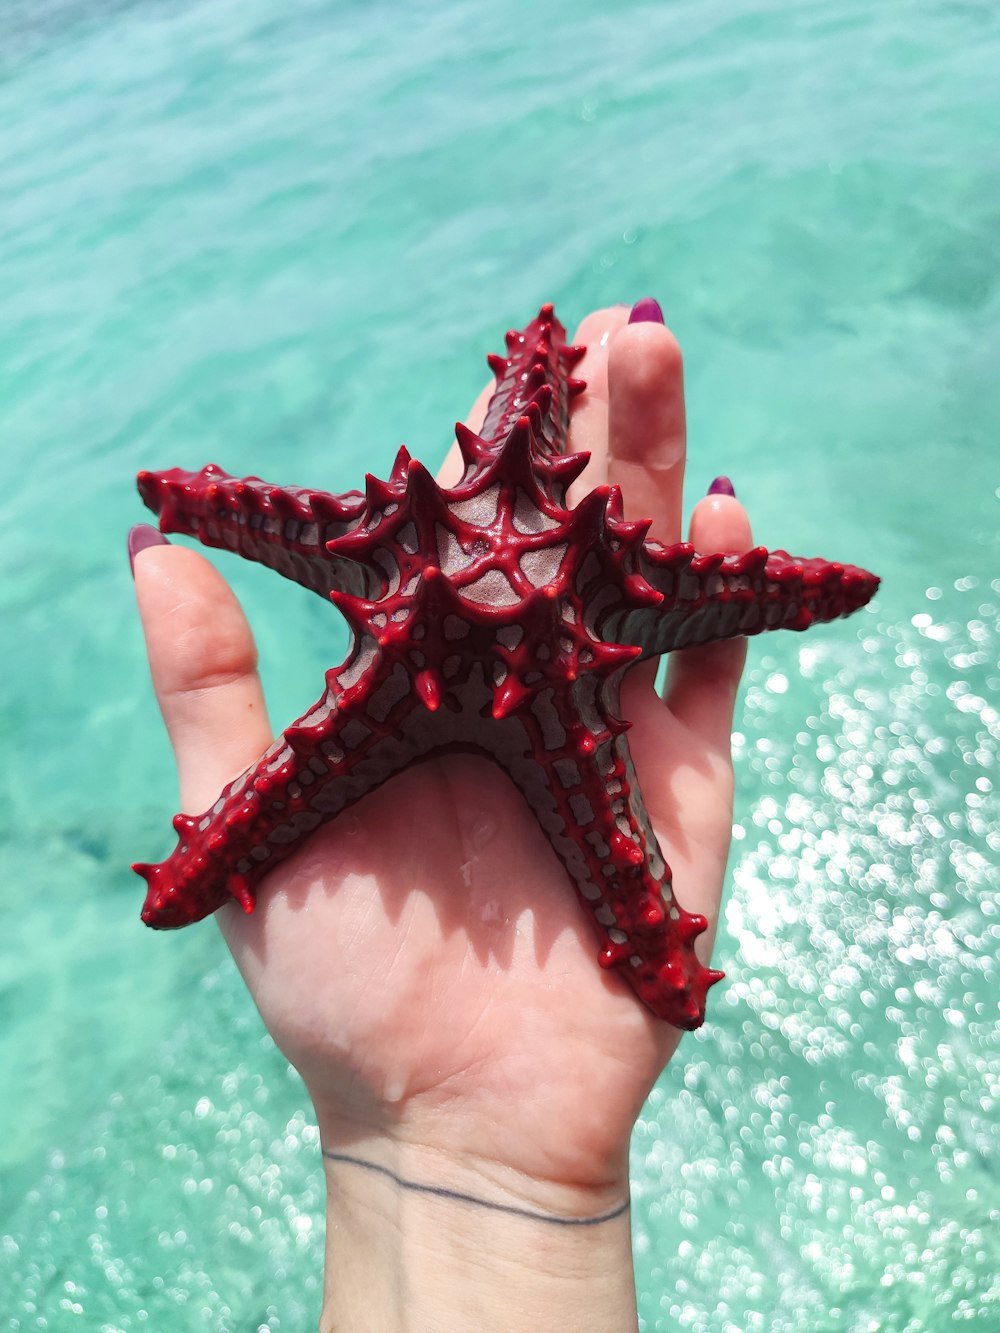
846	1104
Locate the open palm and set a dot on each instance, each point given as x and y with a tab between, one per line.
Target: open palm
421	959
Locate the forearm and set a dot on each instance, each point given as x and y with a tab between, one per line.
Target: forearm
420	1243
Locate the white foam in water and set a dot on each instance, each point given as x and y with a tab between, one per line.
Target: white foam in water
268	238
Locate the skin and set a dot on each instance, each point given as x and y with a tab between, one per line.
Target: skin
422	961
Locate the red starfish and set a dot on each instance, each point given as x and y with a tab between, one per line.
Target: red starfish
485	617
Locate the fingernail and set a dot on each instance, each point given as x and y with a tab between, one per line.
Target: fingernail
141	536
646	311
721	486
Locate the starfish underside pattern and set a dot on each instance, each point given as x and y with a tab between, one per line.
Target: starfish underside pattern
486	617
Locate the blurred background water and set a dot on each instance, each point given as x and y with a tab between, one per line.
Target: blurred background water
281	238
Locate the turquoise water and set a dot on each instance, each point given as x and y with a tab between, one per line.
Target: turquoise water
282	238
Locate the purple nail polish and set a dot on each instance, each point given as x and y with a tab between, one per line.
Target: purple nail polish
721	486
141	536
646	311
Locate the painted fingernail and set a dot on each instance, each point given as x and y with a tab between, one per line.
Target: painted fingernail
141	536
646	311
721	486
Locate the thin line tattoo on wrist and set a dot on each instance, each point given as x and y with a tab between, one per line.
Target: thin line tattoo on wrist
456	1196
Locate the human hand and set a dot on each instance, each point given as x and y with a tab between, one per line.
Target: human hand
421	959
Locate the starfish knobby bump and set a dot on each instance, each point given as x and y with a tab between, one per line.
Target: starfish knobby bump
489	617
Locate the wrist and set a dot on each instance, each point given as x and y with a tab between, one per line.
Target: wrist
424	1239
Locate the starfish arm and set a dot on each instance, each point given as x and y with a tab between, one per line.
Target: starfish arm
574	768
345	746
711	597
529	410
285	528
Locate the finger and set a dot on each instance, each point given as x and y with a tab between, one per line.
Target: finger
702	683
646	430
204	668
451	470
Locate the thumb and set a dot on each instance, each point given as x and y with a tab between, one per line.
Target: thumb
203	663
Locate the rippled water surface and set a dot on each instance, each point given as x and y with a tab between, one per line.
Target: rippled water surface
281	238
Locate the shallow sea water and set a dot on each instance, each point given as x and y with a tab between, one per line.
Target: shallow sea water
282	239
